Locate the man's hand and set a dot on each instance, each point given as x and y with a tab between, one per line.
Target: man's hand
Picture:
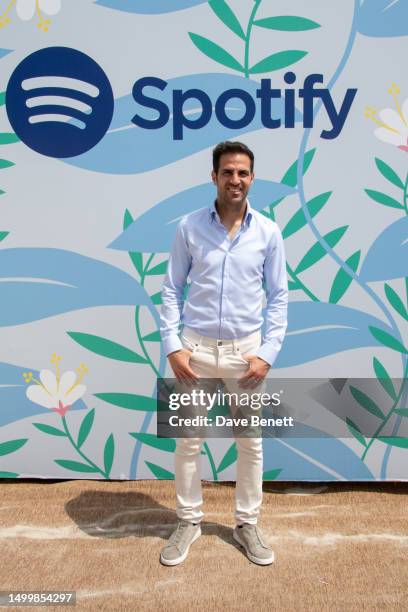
180	364
258	369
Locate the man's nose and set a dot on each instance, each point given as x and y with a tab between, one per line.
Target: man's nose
235	180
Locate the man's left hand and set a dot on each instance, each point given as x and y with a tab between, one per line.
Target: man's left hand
258	369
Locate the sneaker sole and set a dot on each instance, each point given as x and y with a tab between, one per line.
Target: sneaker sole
252	558
183	556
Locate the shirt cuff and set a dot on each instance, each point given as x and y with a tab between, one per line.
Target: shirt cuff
268	353
172	343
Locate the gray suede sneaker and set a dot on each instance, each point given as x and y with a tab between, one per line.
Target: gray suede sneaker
249	537
176	549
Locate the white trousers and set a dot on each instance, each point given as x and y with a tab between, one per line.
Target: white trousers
213	358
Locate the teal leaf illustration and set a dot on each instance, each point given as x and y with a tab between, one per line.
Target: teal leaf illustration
159	269
136	258
165	444
394	441
402	411
215	52
2	98
384	378
76	466
387	339
383	198
277	61
106	348
395	301
129	401
287	23
48	429
156	298
271	474
227	16
86	427
366	402
153	337
8	138
299	220
388	173
294	285
12	445
3	235
290	176
342	280
8	475
393	242
159	472
229	458
355	431
108	454
5	163
317	252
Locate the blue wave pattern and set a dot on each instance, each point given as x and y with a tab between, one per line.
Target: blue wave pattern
383	18
317	329
149	7
39	283
13	400
127	149
153	232
393	242
4	52
315	457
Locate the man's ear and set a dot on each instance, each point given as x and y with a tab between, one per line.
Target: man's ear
214	177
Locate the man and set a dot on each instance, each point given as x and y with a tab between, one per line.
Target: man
229	251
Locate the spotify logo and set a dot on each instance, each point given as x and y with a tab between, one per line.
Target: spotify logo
59	102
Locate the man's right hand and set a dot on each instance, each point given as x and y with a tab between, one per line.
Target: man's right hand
180	364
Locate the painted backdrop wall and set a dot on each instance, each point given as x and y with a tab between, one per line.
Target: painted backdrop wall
85	235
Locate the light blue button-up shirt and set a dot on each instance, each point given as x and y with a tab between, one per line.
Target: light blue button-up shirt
227	277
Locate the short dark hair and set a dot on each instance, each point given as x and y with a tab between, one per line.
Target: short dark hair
231	147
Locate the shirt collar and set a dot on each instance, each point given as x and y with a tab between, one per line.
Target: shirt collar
247	218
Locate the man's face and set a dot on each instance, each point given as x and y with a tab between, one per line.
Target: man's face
233	179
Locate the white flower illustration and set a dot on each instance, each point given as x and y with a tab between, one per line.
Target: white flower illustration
26	9
54	391
393	124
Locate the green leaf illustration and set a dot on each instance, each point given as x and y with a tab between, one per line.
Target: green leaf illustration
2	98
159	472
48	429
317	252
395	301
76	466
276	61
165	444
387	340
106	348
159	269
356	432
384	378
153	337
402	411
394	441
8	138
342	280
229	458
366	402
108	454
227	16
299	220
129	401
388	173
86	427
156	298
290	176
8	475
137	258
3	235
287	23
271	474
215	52
5	163
293	285
12	445
383	198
